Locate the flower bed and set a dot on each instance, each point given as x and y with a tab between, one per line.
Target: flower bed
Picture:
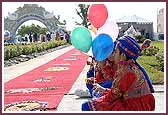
11	51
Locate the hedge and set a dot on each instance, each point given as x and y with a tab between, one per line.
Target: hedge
15	50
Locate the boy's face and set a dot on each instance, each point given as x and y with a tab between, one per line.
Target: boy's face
101	63
116	56
111	57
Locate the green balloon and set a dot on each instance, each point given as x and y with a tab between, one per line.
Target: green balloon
81	39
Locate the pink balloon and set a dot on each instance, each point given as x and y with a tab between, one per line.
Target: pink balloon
110	28
97	15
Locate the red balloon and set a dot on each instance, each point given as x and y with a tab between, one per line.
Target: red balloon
97	15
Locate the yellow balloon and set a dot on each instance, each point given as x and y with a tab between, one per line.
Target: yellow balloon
94	29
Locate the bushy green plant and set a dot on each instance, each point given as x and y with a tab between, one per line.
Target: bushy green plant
160	60
11	51
26	50
33	46
19	50
49	44
63	42
139	38
151	51
39	47
44	46
6	53
53	44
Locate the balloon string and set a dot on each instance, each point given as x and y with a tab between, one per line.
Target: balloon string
94	75
94	81
94	66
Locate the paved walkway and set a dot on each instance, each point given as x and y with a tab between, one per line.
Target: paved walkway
70	102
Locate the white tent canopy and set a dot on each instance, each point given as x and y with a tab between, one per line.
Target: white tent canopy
130	31
133	18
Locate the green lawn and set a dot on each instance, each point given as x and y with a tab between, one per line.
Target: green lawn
150	64
159	44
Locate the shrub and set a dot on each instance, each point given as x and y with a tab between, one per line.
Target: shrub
151	51
19	50
33	46
160	60
39	47
139	38
6	53
26	49
11	51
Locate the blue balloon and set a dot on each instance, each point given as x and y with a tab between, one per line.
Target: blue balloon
102	47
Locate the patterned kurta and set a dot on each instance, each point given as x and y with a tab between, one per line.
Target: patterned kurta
129	92
103	78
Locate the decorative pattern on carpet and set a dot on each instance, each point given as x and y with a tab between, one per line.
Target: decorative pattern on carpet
27	106
62	64
42	79
56	69
73	59
28	90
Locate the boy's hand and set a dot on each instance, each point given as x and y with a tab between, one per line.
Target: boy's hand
89	81
97	87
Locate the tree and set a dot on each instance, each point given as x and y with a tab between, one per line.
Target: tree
32	28
82	13
59	22
23	30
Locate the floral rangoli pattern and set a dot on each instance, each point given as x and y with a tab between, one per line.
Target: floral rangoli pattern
41	79
27	106
29	90
62	64
56	69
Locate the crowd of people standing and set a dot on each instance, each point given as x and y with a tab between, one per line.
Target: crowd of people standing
36	37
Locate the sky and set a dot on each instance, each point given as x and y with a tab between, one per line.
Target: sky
116	10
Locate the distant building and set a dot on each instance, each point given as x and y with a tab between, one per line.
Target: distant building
160	21
142	26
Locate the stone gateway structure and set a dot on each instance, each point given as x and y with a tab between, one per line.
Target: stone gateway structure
31	12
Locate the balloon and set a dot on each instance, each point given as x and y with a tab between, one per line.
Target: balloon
102	47
89	53
93	35
81	39
94	29
97	15
110	28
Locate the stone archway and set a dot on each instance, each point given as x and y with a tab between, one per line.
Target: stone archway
31	12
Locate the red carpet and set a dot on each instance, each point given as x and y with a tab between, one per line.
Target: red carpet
47	83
